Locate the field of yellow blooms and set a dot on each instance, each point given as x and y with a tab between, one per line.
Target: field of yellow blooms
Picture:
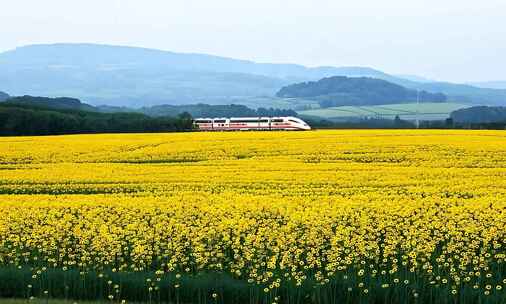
372	216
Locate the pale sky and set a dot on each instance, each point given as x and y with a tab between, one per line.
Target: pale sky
454	40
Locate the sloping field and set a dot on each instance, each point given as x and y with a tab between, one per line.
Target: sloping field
400	216
408	111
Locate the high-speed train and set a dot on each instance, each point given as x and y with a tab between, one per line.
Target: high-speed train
251	123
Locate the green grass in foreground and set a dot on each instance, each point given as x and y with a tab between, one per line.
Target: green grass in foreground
44	301
219	288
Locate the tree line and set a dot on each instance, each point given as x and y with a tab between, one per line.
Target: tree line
206	110
397	123
28	115
18	119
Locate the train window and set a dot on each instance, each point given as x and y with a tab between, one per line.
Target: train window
263	120
277	120
203	121
219	121
293	121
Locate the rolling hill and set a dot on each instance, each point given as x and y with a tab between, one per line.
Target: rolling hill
356	91
406	111
500	85
480	115
59	103
128	76
106	57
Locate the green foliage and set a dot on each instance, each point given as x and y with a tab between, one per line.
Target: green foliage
341	91
27	115
205	110
24	119
480	115
148	287
359	123
195	110
398	123
61	103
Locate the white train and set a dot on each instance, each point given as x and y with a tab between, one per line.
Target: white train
251	123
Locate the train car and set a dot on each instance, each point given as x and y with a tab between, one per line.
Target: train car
251	123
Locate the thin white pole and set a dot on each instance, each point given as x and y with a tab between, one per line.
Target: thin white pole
417	108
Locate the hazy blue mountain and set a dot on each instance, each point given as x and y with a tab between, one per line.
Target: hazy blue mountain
356	91
460	92
101	74
106	58
415	78
3	96
501	85
128	76
465	93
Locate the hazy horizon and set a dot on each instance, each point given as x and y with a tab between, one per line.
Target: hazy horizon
457	41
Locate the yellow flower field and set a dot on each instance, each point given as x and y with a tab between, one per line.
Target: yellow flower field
372	216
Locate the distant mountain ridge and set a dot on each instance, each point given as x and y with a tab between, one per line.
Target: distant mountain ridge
500	85
129	76
108	57
415	78
357	91
3	96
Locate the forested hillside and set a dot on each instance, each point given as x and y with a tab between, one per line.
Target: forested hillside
62	103
480	115
32	119
196	110
28	115
342	91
